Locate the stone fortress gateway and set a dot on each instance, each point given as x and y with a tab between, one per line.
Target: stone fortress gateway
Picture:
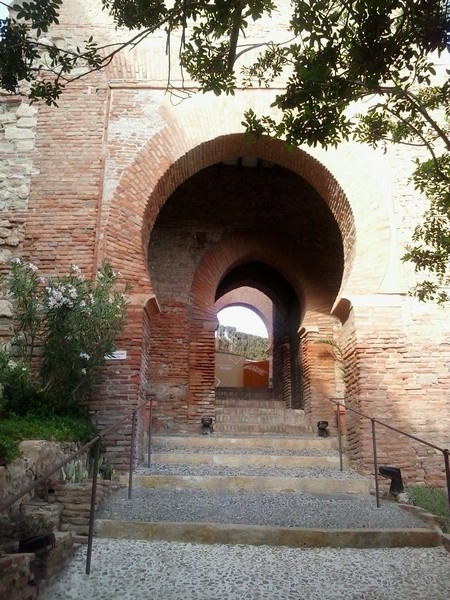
196	219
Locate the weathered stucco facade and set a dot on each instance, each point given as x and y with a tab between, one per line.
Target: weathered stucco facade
170	193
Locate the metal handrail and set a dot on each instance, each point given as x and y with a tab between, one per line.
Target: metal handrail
445	451
94	441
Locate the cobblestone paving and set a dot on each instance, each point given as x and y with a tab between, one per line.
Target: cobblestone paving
136	570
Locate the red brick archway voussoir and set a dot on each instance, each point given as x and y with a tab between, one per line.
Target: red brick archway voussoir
146	185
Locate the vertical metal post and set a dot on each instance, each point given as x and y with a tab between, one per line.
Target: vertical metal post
131	466
375	462
92	512
341	465
447	473
150	417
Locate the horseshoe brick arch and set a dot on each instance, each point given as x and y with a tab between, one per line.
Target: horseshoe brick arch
187	144
196	140
233	250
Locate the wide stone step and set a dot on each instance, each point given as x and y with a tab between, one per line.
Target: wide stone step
242	410
240	517
260	415
226	394
260	420
259	483
249	403
255	460
281	442
257	535
256	428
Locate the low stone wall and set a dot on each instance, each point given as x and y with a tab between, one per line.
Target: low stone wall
38	457
16	577
24	576
65	507
75	499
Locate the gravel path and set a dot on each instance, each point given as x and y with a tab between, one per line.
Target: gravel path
220	470
138	570
257	508
158	570
159	448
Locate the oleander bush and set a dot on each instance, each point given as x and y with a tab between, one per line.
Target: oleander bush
63	328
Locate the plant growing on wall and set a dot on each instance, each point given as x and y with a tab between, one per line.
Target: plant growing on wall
63	329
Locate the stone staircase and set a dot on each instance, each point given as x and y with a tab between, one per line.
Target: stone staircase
254	411
260	489
264	463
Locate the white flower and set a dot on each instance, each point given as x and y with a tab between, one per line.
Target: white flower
77	272
56	297
84	355
16	260
42	280
84	371
32	267
72	292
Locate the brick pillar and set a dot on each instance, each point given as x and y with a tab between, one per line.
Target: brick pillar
286	374
400	380
280	338
201	397
318	378
124	387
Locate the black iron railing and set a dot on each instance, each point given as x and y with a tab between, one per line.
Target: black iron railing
96	442
445	452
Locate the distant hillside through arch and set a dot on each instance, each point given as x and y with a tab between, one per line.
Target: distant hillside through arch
243	319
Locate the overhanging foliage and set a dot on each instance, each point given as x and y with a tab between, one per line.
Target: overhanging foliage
340	53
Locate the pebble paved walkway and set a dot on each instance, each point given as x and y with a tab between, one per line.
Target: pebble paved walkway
137	570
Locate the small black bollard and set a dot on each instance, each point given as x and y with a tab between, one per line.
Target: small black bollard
207	425
322	428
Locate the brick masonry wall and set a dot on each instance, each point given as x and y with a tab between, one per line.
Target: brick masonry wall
88	182
402	382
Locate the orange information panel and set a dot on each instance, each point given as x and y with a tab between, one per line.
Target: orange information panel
256	374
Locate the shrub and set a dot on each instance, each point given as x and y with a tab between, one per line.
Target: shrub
63	329
14	429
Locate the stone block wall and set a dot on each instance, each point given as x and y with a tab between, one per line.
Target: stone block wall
25	576
17	135
38	457
75	499
16	577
